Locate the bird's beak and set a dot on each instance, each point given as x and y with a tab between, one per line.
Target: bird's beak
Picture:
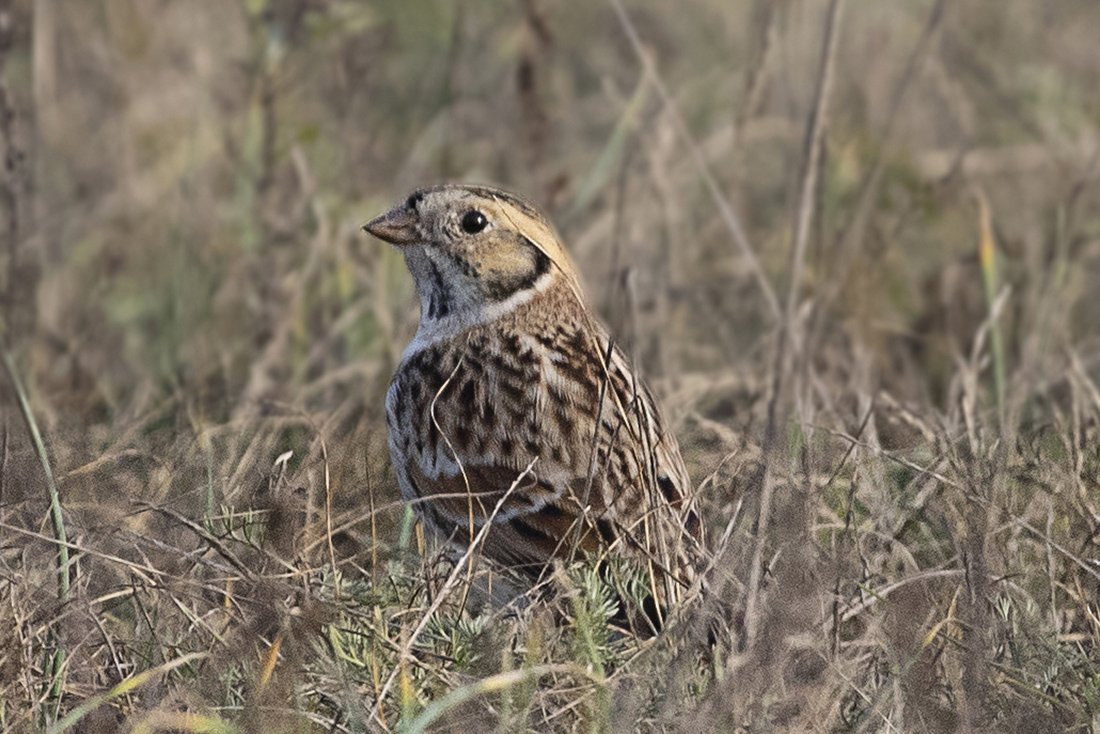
398	226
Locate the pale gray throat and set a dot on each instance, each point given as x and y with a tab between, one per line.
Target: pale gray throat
447	309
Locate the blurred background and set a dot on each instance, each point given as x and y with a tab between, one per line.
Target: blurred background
187	297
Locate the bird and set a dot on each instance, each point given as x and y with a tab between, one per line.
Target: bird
513	411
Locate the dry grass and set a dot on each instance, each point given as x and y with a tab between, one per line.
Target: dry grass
861	276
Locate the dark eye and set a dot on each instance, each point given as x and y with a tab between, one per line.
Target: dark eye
473	222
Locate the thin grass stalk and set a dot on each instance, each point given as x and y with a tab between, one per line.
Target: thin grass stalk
731	220
57	517
804	214
852	232
811	162
987	256
448	585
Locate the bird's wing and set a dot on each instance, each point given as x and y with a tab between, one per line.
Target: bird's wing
533	520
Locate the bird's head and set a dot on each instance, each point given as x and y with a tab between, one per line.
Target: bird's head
473	249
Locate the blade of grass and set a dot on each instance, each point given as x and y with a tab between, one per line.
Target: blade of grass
57	518
492	684
612	151
987	255
129	685
183	721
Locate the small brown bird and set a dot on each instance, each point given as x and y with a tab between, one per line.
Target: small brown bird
513	406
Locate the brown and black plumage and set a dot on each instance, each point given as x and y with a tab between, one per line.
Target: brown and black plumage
509	367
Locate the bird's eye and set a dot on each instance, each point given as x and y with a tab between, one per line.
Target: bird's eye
473	222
